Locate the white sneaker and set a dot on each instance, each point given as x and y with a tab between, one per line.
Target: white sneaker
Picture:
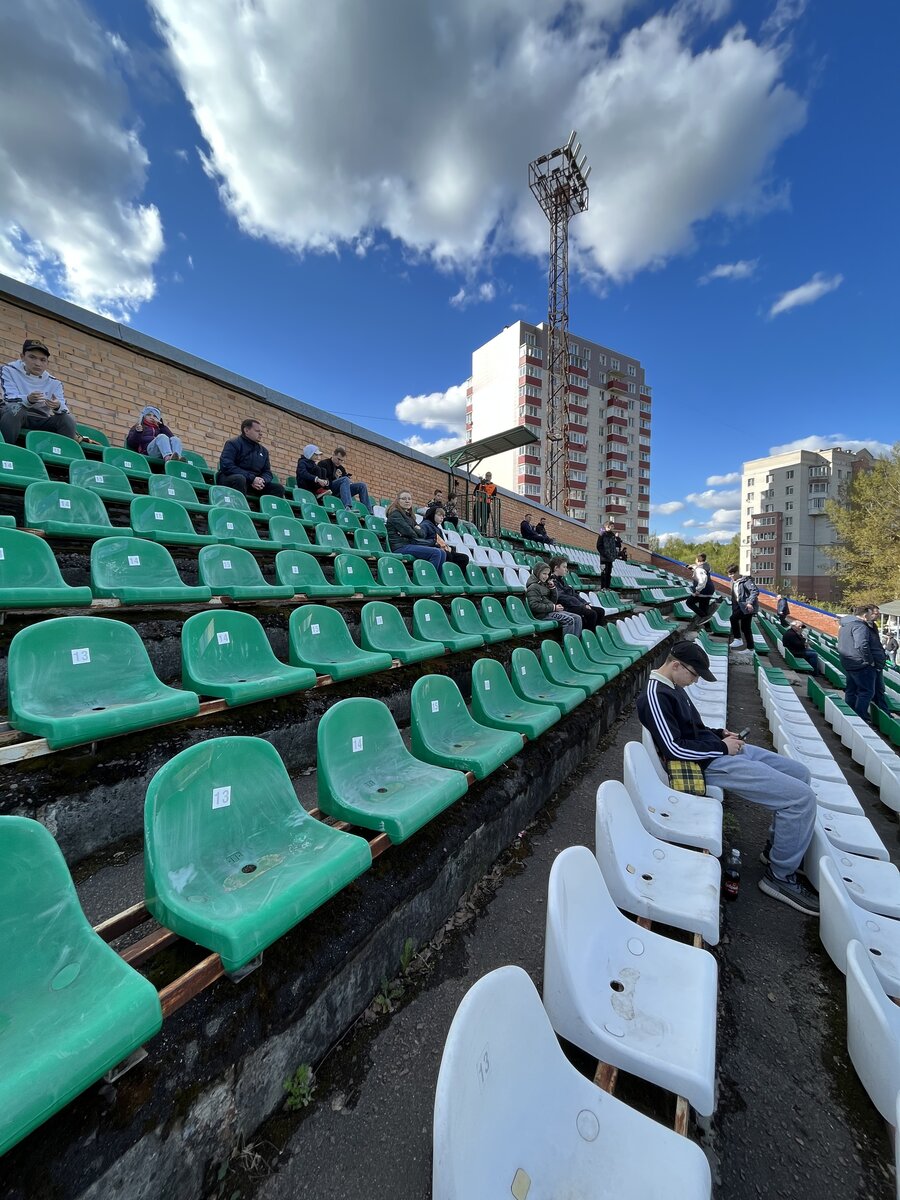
735	644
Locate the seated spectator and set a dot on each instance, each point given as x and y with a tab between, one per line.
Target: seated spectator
543	535
566	595
405	536
152	438
32	397
543	604
335	471
796	643
244	463
450	506
309	476
432	525
532	532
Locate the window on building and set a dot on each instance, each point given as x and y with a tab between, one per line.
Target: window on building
577	456
818	488
578	476
601	359
750	495
817	504
788	550
629	471
615	364
789	475
789	491
632	387
529	410
530	489
530	389
768	508
788	520
788	505
579	439
751	482
818	471
586	352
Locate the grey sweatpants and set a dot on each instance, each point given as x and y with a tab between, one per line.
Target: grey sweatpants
779	784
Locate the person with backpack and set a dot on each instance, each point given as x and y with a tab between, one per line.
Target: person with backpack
744	607
701	584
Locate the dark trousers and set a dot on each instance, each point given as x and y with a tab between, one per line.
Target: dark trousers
590	617
699	604
460	560
865	686
14	420
782	617
606	575
242	484
742	627
813	659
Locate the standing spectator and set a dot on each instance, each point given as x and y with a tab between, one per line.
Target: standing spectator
432	526
566	595
543	604
32	397
794	641
484	500
608	551
702	586
891	645
335	471
782	611
308	475
244	463
450	508
541	528
407	537
744	607
862	660
437	499
151	437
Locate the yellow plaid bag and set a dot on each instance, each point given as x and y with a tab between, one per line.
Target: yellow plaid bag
686	777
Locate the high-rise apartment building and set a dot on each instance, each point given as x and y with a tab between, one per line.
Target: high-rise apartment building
608	447
785	534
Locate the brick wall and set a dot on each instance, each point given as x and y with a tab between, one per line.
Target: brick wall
107	381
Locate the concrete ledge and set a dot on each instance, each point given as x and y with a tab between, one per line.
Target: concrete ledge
217	1069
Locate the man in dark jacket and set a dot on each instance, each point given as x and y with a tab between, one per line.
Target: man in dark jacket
543	536
531	532
794	641
744	607
244	463
702	586
566	595
782	611
777	783
608	551
862	660
335	471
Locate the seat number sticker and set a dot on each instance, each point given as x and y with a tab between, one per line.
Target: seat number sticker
487	685
521	670
81	656
2	554
314	629
57	449
435	706
226	564
224	639
379	620
134	560
65	504
349	570
229	525
357	745
99	478
428	616
157	516
221	797
7	465
287	533
295	570
171	491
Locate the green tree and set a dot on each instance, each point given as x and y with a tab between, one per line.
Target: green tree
866	517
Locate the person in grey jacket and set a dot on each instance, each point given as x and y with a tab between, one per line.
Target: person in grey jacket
862	660
542	602
32	397
744	607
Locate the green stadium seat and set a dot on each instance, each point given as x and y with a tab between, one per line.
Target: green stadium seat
331	503
185	470
425	575
233	571
311	513
495	581
476	583
368	543
291	533
319	638
346	519
519	615
333	540
818	695
368	777
166	521
61	510
430	623
77	679
465	619
888	723
495	616
359	507
376	524
72	1008
303	573
382	628
610	639
495	703
800	665
579	660
170	488
444	733
227	497
597	654
30	576
454	579
556	668
392	573
355	571
139	572
235	528
529	680
107	481
133	464
227	655
276	506
232	861
53	447
20	467
95	434
198	461
7	521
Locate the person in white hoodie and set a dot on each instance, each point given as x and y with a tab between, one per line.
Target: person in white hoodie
32	397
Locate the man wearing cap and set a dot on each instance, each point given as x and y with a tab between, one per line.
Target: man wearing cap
777	783
32	397
244	463
794	641
335	471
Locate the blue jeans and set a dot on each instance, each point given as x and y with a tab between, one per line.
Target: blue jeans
432	554
162	446
813	659
779	784
346	490
861	688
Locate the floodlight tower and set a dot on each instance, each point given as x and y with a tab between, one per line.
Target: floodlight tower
558	181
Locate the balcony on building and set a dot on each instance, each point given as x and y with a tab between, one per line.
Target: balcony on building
527	380
615	418
617	439
617	456
616	491
614	384
616	508
614	473
532	422
614	401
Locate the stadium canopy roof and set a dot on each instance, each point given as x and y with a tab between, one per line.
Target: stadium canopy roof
497	443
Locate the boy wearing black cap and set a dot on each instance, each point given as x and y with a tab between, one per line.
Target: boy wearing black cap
32	397
777	783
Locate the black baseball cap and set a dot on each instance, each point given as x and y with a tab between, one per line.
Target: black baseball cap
694	656
34	344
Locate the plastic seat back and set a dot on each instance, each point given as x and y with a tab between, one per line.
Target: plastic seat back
274	506
198	461
494	616
454	578
425	575
227	654
475	579
376	524
163	520
232	525
368	542
392	573
311	512
184	470
347	519
319	638
465	618
167	487
20	467
353	571
233	571
133	464
53	447
331	503
329	537
30	576
107	481
227	497
495	580
873	1032
302	572
495	703
431	624
530	681
60	507
139	571
445	733
382	628
92	432
289	531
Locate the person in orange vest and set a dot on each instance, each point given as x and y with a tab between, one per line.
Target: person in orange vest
484	499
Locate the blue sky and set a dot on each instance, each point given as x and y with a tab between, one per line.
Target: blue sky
333	200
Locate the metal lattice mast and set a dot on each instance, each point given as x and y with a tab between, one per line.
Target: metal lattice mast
558	181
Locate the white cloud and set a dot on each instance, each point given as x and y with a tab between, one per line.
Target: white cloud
669	507
436	410
718	480
438	446
323	122
736	270
482	294
182	154
698	535
713	499
830	440
72	166
807	293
